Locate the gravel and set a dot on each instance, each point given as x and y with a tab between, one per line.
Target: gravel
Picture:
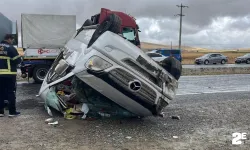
207	121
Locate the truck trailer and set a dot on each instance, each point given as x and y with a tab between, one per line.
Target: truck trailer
43	36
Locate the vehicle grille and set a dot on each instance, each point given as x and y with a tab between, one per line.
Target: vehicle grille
143	72
122	78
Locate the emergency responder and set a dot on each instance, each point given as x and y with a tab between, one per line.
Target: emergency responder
9	59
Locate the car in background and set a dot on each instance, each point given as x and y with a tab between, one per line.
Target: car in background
243	59
156	56
176	53
212	58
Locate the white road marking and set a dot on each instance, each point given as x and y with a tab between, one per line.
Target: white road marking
22	82
213	92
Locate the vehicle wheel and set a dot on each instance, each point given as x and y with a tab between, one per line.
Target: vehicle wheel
173	66
248	61
223	61
206	62
40	72
111	23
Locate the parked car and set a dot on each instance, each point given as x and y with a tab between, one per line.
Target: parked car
167	52
243	59
212	58
156	56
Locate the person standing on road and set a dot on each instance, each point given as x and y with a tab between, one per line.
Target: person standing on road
9	59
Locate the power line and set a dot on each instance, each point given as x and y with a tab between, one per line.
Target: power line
181	15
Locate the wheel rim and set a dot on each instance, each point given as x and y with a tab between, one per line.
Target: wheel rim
248	61
41	73
206	62
223	61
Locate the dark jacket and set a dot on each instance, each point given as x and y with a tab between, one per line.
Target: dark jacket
9	59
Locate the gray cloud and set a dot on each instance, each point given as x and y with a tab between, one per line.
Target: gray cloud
201	25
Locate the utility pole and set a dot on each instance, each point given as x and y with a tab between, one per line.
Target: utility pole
181	15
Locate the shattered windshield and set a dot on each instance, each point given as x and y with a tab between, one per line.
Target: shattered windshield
129	33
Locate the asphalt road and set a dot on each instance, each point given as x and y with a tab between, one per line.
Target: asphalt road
217	66
209	116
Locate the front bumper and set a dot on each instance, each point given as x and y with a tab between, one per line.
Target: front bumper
240	61
199	62
115	83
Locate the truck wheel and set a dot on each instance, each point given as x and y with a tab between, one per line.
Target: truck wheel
173	66
40	72
248	61
111	23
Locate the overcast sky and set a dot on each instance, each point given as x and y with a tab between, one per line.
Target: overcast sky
207	23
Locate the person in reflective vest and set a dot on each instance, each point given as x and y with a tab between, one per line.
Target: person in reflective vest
9	59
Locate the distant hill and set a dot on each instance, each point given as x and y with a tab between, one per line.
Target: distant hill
149	46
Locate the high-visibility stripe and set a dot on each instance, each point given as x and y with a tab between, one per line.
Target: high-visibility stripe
4	57
4	70
14	58
7	73
8	63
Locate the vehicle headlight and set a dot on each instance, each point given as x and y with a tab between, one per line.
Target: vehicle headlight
61	67
96	63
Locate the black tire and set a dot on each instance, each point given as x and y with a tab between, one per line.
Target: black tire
40	72
206	62
173	66
111	23
223	61
248	61
88	22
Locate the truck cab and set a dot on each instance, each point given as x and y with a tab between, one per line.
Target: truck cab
129	28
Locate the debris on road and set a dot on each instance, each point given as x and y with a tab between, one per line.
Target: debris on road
53	123
176	117
48	120
175	137
128	137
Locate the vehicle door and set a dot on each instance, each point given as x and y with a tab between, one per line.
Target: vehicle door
212	58
165	52
218	58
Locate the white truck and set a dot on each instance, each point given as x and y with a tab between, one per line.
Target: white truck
43	35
